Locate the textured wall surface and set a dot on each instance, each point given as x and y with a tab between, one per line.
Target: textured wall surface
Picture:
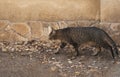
49	10
110	11
23	20
39	30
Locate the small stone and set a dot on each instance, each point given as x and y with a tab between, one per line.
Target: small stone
31	58
96	67
94	61
72	66
68	59
53	68
100	68
53	58
43	62
72	58
27	49
4	49
58	64
12	49
70	62
49	50
117	62
77	73
105	67
89	66
79	62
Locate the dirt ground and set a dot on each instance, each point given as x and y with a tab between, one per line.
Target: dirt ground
37	59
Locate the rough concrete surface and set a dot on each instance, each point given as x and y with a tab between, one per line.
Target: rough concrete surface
49	10
110	11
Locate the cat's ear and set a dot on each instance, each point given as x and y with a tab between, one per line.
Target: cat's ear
52	30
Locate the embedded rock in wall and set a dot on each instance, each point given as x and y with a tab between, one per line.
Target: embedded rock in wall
4	24
4	35
21	29
36	29
39	30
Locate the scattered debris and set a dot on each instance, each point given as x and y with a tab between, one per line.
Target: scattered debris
43	52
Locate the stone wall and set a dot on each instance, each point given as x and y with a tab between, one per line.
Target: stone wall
39	30
30	19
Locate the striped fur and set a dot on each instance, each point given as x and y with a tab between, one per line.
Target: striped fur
77	36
